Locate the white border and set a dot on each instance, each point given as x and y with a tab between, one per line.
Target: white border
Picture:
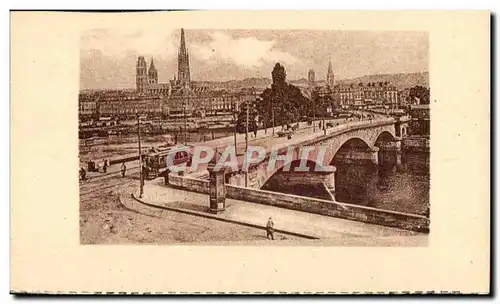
185	4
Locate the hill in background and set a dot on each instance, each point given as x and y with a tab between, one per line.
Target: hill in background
400	80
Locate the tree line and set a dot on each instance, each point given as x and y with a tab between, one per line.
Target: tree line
282	104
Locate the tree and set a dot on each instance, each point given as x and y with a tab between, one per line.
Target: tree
297	103
419	93
285	101
317	103
263	107
241	120
279	75
335	105
279	98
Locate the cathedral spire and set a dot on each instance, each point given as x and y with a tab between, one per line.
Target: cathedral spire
152	73
183	63
182	49
330	77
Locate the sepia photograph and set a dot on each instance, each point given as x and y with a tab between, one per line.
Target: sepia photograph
254	137
250	152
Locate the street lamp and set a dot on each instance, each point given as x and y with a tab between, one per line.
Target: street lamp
185	123
246	139
272	110
234	128
141	177
313	103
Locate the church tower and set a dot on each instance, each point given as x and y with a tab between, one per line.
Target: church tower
311	78
330	77
141	77
183	74
152	73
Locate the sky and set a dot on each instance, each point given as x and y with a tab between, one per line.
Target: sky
108	56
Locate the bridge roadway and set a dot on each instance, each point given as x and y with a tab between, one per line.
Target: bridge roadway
302	136
264	138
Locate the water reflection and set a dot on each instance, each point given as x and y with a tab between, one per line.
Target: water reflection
403	188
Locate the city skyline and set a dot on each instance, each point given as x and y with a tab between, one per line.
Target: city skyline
108	57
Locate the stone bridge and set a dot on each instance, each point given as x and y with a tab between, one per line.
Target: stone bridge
314	158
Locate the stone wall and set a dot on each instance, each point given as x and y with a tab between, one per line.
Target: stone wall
312	205
346	211
188	183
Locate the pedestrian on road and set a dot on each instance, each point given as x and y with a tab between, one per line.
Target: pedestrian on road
145	172
165	176
255	133
124	169
83	174
105	166
270	228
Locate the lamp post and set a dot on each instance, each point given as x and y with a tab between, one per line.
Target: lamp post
314	113
185	123
141	177
234	128
246	141
272	111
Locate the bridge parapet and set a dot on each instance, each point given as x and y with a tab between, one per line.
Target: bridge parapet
364	214
321	150
350	126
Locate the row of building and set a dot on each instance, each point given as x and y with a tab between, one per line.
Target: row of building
126	105
180	97
355	95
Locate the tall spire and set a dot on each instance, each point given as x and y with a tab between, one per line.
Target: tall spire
182	49
183	63
330	77
152	73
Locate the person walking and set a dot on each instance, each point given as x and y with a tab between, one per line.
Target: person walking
83	174
165	176
270	228
105	166
145	172
124	169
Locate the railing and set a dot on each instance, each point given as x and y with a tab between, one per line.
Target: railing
350	126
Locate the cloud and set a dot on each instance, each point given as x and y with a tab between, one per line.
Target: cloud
120	42
248	52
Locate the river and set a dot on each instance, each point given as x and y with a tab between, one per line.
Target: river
404	188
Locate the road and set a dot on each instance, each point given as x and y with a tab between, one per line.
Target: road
104	220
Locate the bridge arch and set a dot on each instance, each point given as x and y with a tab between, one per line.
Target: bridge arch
389	149
384	137
292	168
355	148
361	138
293	181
